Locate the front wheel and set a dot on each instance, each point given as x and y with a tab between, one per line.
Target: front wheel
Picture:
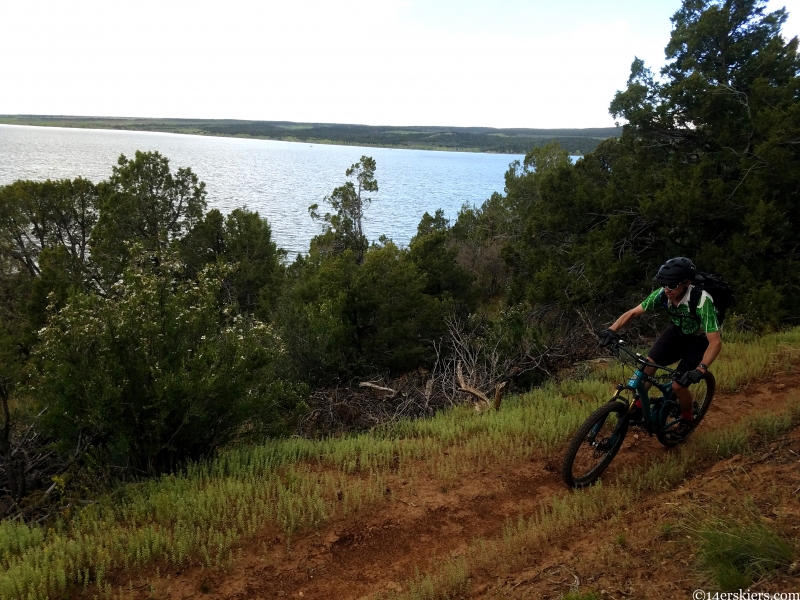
595	445
702	395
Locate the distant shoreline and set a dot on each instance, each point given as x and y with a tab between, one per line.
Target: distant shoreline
450	139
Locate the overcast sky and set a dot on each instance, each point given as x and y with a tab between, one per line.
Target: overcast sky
498	63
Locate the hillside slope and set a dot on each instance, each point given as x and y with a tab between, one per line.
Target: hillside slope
462	139
468	534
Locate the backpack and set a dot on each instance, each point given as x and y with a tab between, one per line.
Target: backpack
720	291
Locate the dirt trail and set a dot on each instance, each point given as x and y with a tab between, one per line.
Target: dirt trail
374	553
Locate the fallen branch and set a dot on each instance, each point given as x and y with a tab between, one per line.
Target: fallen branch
497	389
527	579
367	384
468	389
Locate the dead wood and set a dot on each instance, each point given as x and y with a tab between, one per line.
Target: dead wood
377	387
497	389
474	363
470	390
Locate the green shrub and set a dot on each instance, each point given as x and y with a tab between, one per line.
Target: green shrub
340	318
159	370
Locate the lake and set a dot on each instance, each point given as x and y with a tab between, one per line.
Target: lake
280	180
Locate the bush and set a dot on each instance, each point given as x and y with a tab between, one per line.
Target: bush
158	371
342	319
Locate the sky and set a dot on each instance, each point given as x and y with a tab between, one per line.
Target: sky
493	63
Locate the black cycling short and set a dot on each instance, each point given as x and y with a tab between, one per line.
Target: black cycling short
673	346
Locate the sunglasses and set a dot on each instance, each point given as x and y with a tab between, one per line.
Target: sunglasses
674	286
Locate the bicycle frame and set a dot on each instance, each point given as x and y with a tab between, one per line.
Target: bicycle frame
655	414
605	429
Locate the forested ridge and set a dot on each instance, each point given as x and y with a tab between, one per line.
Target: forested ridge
139	330
462	139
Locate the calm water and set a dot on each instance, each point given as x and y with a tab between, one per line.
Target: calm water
280	180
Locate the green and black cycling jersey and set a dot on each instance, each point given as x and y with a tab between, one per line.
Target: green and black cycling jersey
681	316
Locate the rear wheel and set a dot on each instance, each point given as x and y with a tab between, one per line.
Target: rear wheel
595	445
702	394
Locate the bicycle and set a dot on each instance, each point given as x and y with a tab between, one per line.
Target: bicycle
600	437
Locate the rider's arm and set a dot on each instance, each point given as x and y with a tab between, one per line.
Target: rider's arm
714	347
710	323
627	317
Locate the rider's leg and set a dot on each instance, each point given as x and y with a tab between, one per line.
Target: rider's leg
694	346
666	350
685	399
650	371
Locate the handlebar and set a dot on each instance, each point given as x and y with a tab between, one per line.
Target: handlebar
619	346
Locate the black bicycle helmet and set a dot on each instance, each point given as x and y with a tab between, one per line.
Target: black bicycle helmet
675	270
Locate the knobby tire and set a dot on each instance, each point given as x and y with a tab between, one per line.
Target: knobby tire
699	410
584	463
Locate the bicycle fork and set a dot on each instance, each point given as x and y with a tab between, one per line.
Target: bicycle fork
650	408
603	445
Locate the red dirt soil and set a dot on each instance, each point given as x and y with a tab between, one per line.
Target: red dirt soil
375	551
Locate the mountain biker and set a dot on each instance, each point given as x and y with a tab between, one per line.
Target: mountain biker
695	341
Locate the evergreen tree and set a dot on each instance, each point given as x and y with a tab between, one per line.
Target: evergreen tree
715	152
345	228
144	202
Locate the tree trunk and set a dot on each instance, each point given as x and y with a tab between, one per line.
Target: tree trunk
14	468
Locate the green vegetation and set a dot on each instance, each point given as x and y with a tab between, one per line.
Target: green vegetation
155	373
202	515
506	295
760	552
460	139
130	337
582	596
154	356
737	555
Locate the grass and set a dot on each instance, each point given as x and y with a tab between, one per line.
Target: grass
202	516
452	580
748	357
756	554
735	555
581	596
507	553
745	552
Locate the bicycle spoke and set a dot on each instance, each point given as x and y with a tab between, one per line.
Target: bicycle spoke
702	395
596	444
592	452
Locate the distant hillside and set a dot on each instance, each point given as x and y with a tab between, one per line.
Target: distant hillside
463	139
